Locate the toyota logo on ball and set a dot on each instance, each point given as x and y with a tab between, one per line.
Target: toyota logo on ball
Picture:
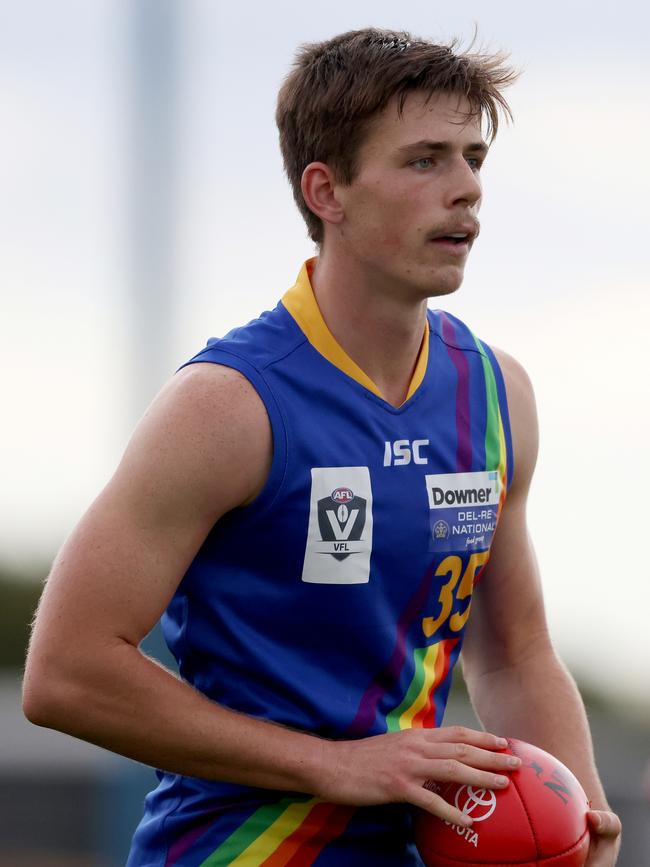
477	803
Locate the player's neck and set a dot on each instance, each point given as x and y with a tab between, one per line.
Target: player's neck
379	330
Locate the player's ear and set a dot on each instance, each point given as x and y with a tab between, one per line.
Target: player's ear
319	191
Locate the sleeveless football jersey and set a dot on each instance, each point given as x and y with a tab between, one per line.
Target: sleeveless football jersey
336	602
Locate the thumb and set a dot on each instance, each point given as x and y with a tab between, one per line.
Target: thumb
604	823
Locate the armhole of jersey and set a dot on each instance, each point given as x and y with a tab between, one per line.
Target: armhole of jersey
274	481
503	408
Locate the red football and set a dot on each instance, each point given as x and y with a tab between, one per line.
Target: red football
539	819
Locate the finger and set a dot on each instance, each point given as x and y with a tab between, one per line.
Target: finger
604	823
461	734
451	771
603	852
432	803
477	757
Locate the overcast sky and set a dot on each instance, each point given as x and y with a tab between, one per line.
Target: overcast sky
559	277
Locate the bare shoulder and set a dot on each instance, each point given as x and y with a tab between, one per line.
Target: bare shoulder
207	392
518	383
523	417
207	418
202	448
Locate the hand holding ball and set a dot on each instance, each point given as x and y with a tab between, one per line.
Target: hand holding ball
539	820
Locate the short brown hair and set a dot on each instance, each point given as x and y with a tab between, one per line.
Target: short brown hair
336	87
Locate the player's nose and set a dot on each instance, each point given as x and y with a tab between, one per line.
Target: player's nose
463	185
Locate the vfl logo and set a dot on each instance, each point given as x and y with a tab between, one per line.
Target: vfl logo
342	523
477	803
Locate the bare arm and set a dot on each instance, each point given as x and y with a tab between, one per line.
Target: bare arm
516	681
203	448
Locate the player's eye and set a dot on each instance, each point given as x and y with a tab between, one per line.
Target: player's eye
474	163
423	163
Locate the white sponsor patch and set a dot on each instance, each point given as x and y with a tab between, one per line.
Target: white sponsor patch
456	490
464	509
339	536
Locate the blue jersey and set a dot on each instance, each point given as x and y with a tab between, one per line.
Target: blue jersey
336	602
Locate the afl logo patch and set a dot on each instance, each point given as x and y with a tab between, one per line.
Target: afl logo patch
339	534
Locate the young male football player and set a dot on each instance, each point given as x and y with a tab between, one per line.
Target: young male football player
311	504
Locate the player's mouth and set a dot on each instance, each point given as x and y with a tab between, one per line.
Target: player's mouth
455	240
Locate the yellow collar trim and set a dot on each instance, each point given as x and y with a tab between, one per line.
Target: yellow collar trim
301	303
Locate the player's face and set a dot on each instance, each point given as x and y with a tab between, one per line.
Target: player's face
418	183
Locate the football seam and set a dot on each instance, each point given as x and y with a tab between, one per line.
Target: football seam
523	804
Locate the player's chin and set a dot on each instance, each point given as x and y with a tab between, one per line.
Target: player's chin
445	280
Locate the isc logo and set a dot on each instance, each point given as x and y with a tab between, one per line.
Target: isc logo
402	452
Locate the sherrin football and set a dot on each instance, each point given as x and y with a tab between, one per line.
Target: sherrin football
539	819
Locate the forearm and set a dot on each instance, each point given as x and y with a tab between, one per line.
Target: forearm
129	704
538	701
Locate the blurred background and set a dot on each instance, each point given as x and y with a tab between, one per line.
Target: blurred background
144	209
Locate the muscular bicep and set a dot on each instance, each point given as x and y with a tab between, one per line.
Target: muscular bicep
203	448
507	620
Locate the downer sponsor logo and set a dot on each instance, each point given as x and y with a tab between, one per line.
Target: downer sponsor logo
463	489
463	510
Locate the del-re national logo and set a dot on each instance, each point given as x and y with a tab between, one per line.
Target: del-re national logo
464	509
